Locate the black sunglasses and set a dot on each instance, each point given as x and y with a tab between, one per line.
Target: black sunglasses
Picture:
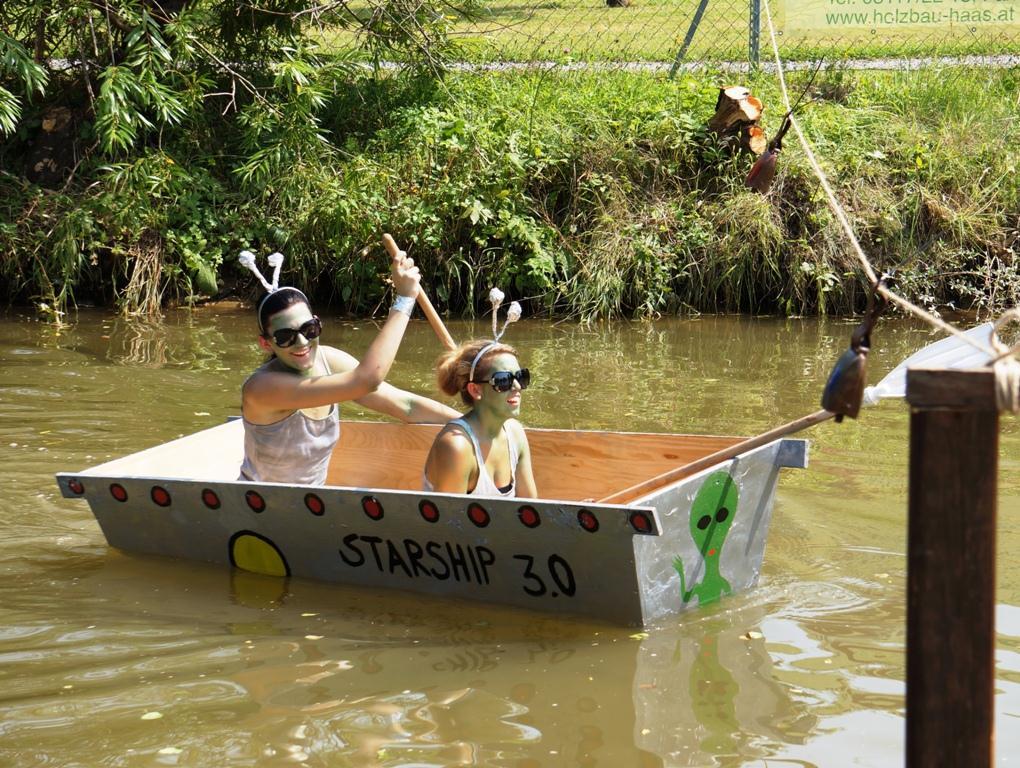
503	381
285	337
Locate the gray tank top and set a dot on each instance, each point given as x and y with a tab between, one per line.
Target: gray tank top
294	450
485	486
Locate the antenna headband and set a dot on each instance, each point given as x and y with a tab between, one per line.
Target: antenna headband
275	260
513	314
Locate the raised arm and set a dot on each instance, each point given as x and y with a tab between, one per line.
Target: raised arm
408	406
274	391
392	401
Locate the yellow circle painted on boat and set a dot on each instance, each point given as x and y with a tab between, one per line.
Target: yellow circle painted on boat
258	556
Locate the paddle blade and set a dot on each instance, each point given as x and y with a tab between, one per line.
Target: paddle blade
949	352
845	387
759	178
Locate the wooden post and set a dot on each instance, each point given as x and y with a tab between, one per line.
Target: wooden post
954	442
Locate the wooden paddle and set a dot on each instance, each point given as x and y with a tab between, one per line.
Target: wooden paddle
949	352
423	301
635	491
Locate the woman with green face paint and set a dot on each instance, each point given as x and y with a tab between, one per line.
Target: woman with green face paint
484	452
290	404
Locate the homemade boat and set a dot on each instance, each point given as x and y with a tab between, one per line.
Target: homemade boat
608	540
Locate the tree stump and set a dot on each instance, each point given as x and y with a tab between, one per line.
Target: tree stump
736	117
752	139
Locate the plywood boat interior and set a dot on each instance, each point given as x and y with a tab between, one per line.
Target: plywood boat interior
570	465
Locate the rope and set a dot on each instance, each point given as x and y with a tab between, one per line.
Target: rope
1007	367
841	216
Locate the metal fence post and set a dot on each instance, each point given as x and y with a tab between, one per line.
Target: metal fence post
689	37
754	34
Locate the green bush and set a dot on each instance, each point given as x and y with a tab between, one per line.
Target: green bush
591	194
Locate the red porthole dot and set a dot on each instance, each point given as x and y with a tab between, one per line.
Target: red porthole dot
428	510
373	508
76	487
640	522
529	516
160	496
588	521
314	504
478	515
210	499
118	492
255	501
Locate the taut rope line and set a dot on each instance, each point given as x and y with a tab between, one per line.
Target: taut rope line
1007	371
1007	367
840	214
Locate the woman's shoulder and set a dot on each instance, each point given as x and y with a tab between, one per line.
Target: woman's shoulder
454	432
267	369
516	430
453	444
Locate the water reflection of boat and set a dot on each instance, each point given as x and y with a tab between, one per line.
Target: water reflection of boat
659	552
357	675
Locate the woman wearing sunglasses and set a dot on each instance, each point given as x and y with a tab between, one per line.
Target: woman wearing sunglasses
485	452
289	404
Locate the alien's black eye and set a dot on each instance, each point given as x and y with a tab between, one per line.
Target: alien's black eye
721	515
704	521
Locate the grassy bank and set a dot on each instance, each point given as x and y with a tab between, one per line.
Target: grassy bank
590	194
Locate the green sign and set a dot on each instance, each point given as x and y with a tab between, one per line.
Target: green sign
947	17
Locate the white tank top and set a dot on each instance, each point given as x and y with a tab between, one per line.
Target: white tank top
294	450
485	486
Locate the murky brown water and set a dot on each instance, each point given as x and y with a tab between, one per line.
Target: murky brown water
113	660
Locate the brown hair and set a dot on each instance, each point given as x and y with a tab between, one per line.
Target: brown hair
453	368
277	301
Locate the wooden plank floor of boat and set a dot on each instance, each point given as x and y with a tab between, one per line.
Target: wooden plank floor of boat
569	465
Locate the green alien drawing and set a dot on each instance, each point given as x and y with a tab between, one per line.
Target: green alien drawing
711	517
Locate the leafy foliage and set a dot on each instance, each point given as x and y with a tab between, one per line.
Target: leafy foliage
16	64
144	98
206	127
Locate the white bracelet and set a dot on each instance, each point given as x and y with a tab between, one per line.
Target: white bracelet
403	304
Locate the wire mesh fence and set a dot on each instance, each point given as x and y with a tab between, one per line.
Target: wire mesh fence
687	33
879	30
